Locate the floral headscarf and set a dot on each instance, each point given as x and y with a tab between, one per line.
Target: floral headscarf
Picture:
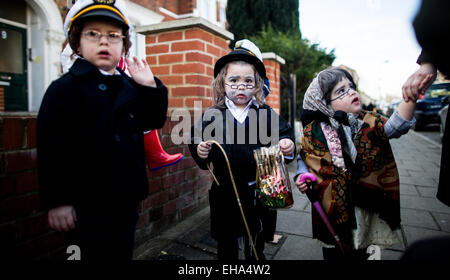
314	101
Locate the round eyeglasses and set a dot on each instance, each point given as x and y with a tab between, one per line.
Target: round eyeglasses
95	36
247	86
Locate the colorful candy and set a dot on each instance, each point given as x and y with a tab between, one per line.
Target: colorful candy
274	186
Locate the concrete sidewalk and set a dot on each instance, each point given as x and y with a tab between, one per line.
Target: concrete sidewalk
418	161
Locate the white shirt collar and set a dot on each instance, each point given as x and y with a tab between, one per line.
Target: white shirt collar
240	115
116	72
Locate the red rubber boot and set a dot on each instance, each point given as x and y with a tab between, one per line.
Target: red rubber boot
156	157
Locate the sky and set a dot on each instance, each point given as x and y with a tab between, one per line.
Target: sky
373	37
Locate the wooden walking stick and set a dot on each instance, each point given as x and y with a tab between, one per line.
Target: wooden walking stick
235	192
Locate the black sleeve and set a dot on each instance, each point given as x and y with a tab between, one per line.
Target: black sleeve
57	147
423	58
195	138
432	26
287	131
153	104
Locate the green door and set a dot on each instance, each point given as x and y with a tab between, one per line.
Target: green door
13	67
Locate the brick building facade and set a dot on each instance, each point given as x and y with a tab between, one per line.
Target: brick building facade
181	49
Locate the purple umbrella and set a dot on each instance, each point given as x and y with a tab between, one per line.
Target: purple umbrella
309	178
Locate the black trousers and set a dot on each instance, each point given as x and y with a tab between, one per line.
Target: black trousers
105	234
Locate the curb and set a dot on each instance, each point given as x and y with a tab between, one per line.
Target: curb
426	139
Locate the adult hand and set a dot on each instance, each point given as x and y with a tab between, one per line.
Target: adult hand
287	146
62	218
140	72
203	150
419	82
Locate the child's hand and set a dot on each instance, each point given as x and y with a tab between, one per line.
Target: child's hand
418	82
141	72
287	146
302	179
302	187
203	149
62	218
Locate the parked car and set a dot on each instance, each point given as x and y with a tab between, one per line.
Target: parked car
443	116
428	107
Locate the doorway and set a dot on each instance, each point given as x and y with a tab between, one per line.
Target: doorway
13	67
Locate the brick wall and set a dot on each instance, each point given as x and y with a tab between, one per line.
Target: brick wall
62	7
24	230
176	191
184	61
272	63
178	7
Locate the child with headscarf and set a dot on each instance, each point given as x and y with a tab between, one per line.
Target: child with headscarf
348	151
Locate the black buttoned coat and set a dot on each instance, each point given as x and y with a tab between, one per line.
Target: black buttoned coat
432	28
90	144
226	219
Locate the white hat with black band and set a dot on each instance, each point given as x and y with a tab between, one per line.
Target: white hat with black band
82	9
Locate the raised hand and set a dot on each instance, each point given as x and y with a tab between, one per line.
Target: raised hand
140	72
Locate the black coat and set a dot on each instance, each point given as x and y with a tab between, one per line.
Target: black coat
90	143
432	27
226	219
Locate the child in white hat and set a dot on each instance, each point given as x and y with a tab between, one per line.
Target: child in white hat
91	160
239	108
249	46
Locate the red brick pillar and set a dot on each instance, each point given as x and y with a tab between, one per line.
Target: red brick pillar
181	53
272	63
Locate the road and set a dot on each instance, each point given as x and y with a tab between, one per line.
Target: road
432	132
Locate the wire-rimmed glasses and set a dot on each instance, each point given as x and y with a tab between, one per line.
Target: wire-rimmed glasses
236	86
342	93
95	36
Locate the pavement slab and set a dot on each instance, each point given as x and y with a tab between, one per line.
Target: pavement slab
294	222
418	218
443	221
423	203
299	248
417	233
406	189
427	192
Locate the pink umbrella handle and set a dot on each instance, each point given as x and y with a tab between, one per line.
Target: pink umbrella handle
316	204
324	217
307	176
